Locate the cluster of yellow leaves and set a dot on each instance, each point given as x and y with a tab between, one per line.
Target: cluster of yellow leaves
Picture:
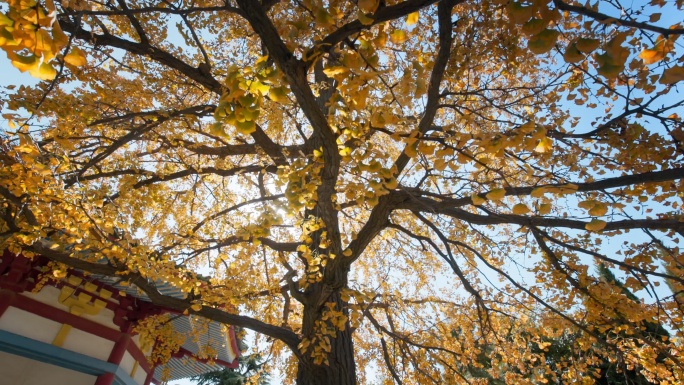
612	61
240	105
315	255
358	305
158	332
32	38
26	172
326	328
537	22
302	183
594	207
528	137
380	181
576	50
535	18
261	227
498	194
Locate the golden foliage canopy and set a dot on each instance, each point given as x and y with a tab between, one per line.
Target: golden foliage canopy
412	191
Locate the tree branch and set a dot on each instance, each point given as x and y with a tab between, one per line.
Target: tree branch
608	19
181	305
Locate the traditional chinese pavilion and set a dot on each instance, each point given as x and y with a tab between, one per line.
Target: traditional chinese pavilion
79	331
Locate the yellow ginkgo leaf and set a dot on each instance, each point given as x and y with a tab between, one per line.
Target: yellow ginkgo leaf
610	70
345	151
534	26
6	38
374	167
245	127
520	209
612	61
375	184
45	71
43	41
324	18
528	127
658	52
25	63
496	194
368	6
412	18
595	225
196	307
545	144
672	75
538	192
411	150
477	200
598	210
587	45
544	208
347	253
337	70
5	21
543	42
440	164
365	20
398	36
391	183
278	94
75	57
519	13
59	38
377	120
572	54
650	56
257	87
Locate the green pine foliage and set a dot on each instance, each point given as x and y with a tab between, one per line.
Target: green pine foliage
250	368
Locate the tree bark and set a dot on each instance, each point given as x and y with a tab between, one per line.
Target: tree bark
341	367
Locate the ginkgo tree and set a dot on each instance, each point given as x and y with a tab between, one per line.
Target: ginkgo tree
386	191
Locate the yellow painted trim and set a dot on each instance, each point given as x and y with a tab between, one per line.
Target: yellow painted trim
106	294
61	335
91	287
83	303
135	368
65	293
78	305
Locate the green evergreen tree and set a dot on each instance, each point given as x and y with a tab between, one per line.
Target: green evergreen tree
249	367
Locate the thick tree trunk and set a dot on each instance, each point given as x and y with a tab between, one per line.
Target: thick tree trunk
341	367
